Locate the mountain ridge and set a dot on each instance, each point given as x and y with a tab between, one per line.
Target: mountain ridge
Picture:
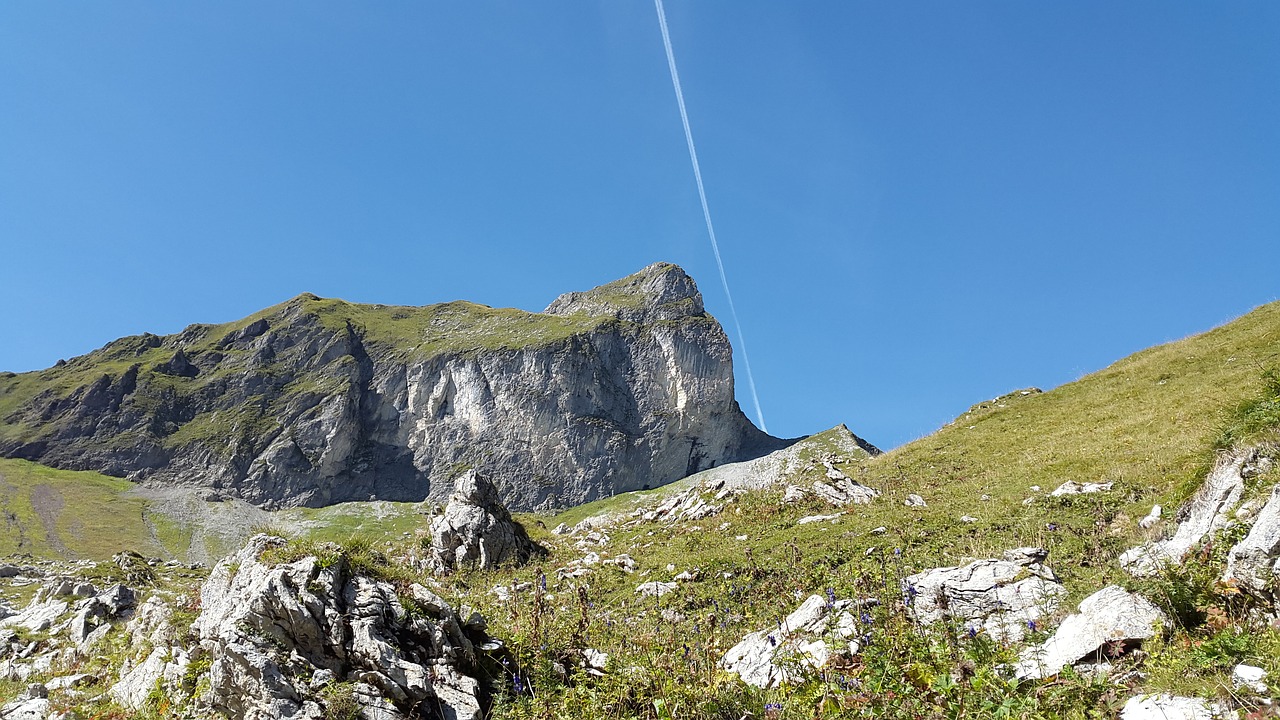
318	400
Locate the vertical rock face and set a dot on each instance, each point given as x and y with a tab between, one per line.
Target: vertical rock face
316	401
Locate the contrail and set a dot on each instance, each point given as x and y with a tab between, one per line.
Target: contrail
706	211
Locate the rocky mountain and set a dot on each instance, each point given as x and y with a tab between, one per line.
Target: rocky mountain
316	401
1109	548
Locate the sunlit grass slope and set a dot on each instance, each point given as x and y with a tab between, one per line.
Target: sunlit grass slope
75	515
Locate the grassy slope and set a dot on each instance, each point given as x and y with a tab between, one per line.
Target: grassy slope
61	513
1148	423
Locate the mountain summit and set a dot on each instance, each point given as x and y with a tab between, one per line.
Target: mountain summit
316	401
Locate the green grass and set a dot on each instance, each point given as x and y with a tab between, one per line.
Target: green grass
91	517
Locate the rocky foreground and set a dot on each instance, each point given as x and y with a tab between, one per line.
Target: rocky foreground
287	629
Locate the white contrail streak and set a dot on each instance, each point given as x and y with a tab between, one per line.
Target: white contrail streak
706	211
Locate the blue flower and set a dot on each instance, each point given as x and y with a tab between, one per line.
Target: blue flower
866	618
773	642
542	581
1031	625
831	597
973	632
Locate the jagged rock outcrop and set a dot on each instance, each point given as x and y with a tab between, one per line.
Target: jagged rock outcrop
475	530
317	401
1001	597
277	635
1208	511
1254	562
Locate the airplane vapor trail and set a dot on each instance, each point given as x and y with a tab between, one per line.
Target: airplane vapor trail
706	211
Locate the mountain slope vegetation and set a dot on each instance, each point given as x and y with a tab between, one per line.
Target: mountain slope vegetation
639	597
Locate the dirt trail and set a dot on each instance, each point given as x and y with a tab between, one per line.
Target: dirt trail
47	503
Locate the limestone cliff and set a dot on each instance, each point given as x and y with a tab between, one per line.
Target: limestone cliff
317	401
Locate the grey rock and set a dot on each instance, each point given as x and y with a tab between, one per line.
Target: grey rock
475	530
1172	707
1151	518
163	667
844	491
623	387
40	614
63	682
793	494
914	500
25	709
655	589
999	597
781	467
1206	512
1109	618
270	629
1250	677
1254	561
1072	487
767	658
819	518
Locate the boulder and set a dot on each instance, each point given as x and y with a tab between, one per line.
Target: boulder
1111	620
1071	487
1250	677
1001	597
767	658
1172	707
655	589
842	490
25	709
163	667
475	529
1208	511
273	631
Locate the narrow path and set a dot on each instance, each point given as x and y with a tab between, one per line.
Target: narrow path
47	503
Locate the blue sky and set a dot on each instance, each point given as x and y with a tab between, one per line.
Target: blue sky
920	205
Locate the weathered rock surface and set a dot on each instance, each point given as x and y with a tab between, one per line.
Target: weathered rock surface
1112	620
1254	561
762	658
1208	511
1173	707
1250	677
999	597
782	465
475	530
317	401
274	634
33	704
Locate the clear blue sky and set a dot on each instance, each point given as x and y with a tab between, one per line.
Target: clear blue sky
921	205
